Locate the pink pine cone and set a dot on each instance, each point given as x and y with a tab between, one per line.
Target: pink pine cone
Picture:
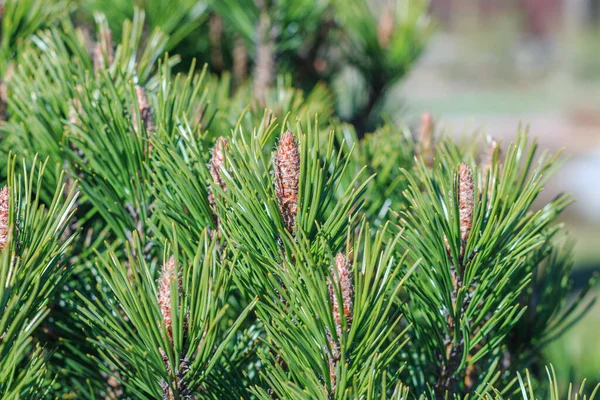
287	175
216	164
4	209
465	201
344	278
164	294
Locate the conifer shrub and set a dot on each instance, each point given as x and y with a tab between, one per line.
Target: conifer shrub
193	233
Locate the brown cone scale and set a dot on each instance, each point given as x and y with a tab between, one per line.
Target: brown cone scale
287	175
465	203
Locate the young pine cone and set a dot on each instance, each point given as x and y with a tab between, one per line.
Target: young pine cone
287	175
167	276
104	46
488	157
341	276
385	28
4	209
76	108
487	164
215	32
465	203
145	111
426	147
216	163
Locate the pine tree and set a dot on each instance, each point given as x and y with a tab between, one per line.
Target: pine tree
200	235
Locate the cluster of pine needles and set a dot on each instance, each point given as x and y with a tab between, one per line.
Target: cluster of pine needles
168	232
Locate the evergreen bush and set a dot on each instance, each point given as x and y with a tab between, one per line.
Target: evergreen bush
194	233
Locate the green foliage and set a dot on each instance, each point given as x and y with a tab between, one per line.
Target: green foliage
237	245
465	299
50	85
304	309
33	267
526	390
313	40
381	40
382	43
385	153
21	18
178	18
130	331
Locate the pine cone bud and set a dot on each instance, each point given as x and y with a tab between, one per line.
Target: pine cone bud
332	362
287	175
4	210
76	108
114	390
104	46
426	140
106	40
465	202
167	276
385	28
343	277
98	58
488	158
216	163
73	115
197	121
145	110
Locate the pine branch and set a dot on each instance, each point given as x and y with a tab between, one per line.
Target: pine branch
381	45
164	340
473	248
32	268
526	389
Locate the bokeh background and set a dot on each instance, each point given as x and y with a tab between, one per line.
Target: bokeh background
494	64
